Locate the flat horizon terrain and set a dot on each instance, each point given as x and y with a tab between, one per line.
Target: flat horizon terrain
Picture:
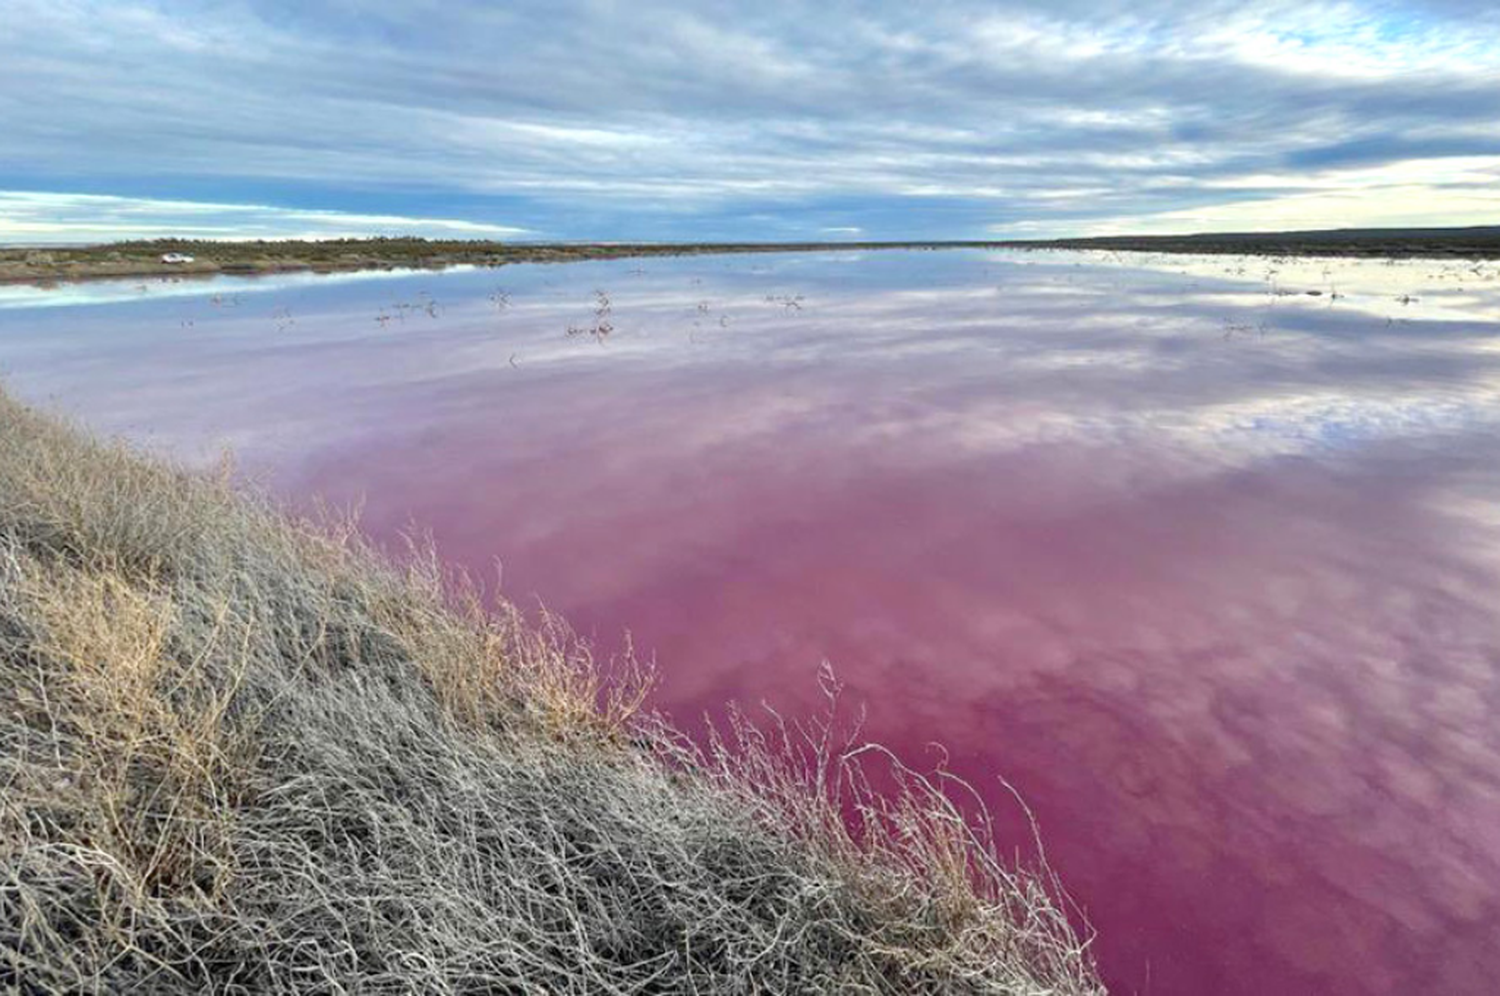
1197	552
142	258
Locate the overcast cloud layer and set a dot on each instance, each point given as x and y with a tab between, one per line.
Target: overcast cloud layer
764	120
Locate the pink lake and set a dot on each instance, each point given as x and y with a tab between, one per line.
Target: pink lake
1203	564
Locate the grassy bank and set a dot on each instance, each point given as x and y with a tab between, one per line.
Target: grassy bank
243	753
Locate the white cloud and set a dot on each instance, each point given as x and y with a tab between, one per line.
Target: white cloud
32	218
657	119
1386	197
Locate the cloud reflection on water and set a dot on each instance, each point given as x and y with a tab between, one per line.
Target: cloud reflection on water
1206	571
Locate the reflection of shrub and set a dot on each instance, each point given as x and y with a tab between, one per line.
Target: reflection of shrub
245	753
602	326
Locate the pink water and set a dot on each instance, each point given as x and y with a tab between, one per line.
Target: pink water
1205	566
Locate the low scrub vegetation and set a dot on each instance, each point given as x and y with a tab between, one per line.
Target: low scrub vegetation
1480	242
244	753
144	258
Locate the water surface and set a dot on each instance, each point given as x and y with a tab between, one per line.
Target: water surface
1203	563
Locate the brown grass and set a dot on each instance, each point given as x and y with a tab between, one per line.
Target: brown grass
242	753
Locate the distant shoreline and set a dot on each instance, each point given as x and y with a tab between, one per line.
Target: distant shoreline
1481	242
143	259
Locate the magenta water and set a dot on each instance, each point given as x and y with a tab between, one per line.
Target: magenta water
1202	563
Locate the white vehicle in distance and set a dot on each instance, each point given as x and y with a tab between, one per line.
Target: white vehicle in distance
176	257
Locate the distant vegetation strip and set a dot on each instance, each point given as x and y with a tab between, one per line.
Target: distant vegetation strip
1381	243
137	259
246	753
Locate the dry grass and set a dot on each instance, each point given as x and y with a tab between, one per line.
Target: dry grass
245	754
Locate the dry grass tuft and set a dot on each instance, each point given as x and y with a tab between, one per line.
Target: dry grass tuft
244	754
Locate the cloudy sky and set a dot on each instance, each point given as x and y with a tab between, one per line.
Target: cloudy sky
667	119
